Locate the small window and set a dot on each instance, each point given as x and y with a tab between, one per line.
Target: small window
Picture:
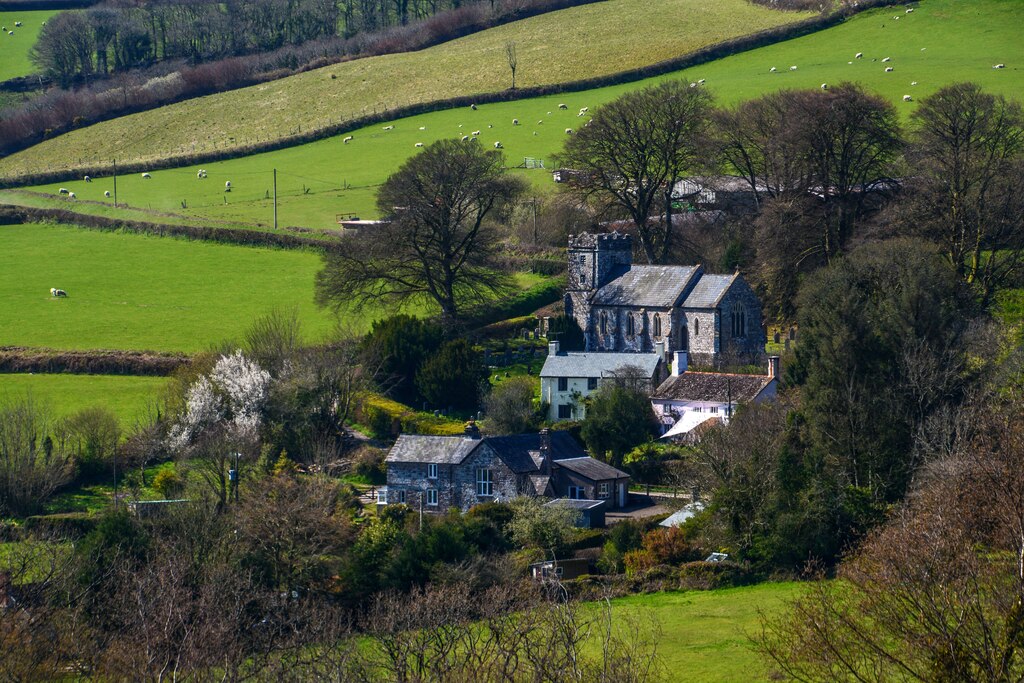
739	323
591	383
563	384
698	409
657	325
696	327
583	279
431	496
604	323
604	490
484	483
564	412
575	492
399	496
713	409
432	471
583	258
630	325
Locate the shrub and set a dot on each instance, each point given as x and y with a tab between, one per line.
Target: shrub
453	377
510	407
369	462
168	482
379	421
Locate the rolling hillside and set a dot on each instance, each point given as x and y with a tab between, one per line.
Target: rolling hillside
552	48
14	48
940	42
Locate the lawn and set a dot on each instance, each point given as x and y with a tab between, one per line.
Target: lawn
127	397
706	635
319	180
129	291
552	48
14	49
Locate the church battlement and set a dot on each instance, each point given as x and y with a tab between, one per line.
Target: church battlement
601	241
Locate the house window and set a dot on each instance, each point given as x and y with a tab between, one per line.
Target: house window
698	409
484	483
630	325
657	325
431	496
575	492
564	411
591	383
713	409
563	384
432	471
604	490
399	496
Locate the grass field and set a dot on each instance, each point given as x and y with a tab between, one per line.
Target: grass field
130	291
14	49
62	395
316	181
555	47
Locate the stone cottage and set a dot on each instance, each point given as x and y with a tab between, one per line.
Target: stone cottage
622	307
442	472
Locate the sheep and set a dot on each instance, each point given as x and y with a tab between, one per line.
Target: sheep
227	186
497	145
563	106
913	82
59	293
490	125
71	195
389	127
515	122
585	109
62	190
792	68
692	85
419	144
568	131
859	55
53	291
540	122
999	66
824	86
106	193
772	70
348	139
888	69
909	10
886	59
700	81
87	179
147	176
10	33
473	107
423	127
584	113
475	133
465	137
908	98
849	62
199	173
17	24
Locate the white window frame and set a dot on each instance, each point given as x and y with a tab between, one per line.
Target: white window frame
604	490
431	496
432	470
484	482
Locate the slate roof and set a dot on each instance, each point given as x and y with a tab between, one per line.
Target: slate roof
519	451
712	387
574	364
443	450
576	503
592	469
656	286
708	291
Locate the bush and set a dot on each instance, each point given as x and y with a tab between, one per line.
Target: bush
510	407
369	462
409	420
453	377
380	422
168	482
70	525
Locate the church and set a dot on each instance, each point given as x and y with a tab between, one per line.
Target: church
715	319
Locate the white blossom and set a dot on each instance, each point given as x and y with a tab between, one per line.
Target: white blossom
203	408
245	386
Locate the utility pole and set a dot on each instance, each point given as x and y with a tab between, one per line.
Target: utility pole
115	183
275	199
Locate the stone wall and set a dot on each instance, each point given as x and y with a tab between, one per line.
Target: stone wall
748	348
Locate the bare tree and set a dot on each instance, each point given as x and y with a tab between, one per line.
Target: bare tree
635	149
32	465
513	59
436	246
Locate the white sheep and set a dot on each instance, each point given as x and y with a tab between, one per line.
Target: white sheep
87	179
389	127
886	59
71	195
692	85
490	125
541	122
792	68
585	109
227	186
465	137
10	33
199	173
62	190
497	145
563	106
908	98
423	127
772	70
515	122
53	291
146	175
106	193
347	139
584	113
859	55
700	81
909	10
473	107
888	69
419	144
475	133
59	293
824	86
913	82
17	24
568	131
999	66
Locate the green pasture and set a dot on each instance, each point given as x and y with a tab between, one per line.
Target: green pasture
14	49
706	636
129	291
319	180
581	42
128	397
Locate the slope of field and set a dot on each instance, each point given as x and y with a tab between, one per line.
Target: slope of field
62	395
552	48
14	49
316	181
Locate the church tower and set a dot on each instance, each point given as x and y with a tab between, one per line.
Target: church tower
594	260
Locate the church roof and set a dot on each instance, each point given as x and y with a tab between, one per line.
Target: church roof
712	387
654	286
708	291
574	364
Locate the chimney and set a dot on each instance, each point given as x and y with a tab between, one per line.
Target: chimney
773	366
661	348
545	451
472	431
553	348
679	363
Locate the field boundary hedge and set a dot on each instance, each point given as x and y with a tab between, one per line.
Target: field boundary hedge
10	214
704	55
22	359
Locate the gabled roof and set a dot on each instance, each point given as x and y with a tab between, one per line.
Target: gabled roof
712	387
708	291
443	450
519	451
592	469
656	286
574	364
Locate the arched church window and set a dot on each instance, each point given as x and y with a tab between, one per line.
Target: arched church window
604	323
696	327
630	324
657	325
